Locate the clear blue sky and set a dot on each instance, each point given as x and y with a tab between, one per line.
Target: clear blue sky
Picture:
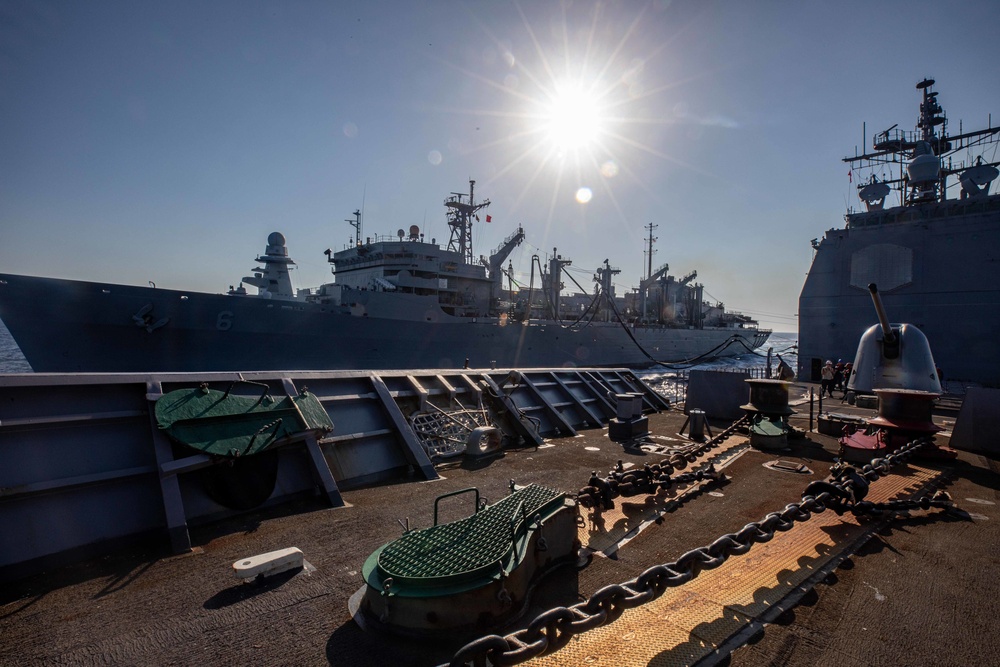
164	141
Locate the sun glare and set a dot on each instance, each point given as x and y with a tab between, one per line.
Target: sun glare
578	103
572	119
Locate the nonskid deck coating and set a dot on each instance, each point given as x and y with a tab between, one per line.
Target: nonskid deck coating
146	607
690	622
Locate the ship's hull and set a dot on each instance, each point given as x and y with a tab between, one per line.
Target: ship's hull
936	267
70	326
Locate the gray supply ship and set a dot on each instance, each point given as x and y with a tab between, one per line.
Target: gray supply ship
397	302
933	257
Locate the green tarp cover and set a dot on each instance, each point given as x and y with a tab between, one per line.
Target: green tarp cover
227	425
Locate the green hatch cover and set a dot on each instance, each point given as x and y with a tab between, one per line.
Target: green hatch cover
764	426
474	548
222	424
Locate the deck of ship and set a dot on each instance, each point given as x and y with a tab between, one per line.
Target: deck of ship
916	590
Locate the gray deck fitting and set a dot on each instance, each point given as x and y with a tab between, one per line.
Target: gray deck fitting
186	464
655	400
563	424
420	391
413	451
595	419
69	483
508	404
321	468
452	392
476	390
170	490
602	396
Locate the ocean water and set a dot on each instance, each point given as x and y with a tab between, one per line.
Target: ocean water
672	382
11	359
785	344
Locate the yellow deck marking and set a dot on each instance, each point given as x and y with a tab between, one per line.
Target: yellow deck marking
687	623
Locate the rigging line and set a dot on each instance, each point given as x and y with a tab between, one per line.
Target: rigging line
759	354
671	364
576	283
584	314
751	350
559	321
766	312
548	301
510	276
573	325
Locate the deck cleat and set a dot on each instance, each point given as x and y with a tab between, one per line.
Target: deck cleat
268	564
768	411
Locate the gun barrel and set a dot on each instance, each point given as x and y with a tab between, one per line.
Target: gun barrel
887	334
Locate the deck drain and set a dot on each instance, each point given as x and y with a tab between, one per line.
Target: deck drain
788	466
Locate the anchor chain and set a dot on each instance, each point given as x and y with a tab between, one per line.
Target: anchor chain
553	629
651	477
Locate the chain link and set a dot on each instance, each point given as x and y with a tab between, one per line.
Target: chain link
652	477
552	629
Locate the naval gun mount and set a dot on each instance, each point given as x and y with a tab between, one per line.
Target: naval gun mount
892	356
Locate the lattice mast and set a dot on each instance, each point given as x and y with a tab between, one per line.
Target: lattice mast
460	215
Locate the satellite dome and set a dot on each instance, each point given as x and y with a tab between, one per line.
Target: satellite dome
276	238
981	174
873	192
925	166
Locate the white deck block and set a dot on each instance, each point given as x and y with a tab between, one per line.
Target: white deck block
272	562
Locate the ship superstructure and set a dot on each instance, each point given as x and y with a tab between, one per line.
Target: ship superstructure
928	237
395	302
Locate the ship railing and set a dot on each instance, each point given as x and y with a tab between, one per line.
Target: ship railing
510	237
892	140
945	209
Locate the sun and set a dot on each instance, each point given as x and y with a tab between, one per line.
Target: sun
572	119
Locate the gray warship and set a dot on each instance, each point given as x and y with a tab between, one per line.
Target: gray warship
396	302
933	257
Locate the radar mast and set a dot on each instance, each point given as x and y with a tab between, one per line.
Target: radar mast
460	214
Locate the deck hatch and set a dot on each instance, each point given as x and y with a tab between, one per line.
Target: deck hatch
472	547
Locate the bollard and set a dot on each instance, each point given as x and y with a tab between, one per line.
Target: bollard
624	404
697	432
812	398
637	405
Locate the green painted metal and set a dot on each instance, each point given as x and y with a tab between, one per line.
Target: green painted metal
463	554
471	489
226	425
768	427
